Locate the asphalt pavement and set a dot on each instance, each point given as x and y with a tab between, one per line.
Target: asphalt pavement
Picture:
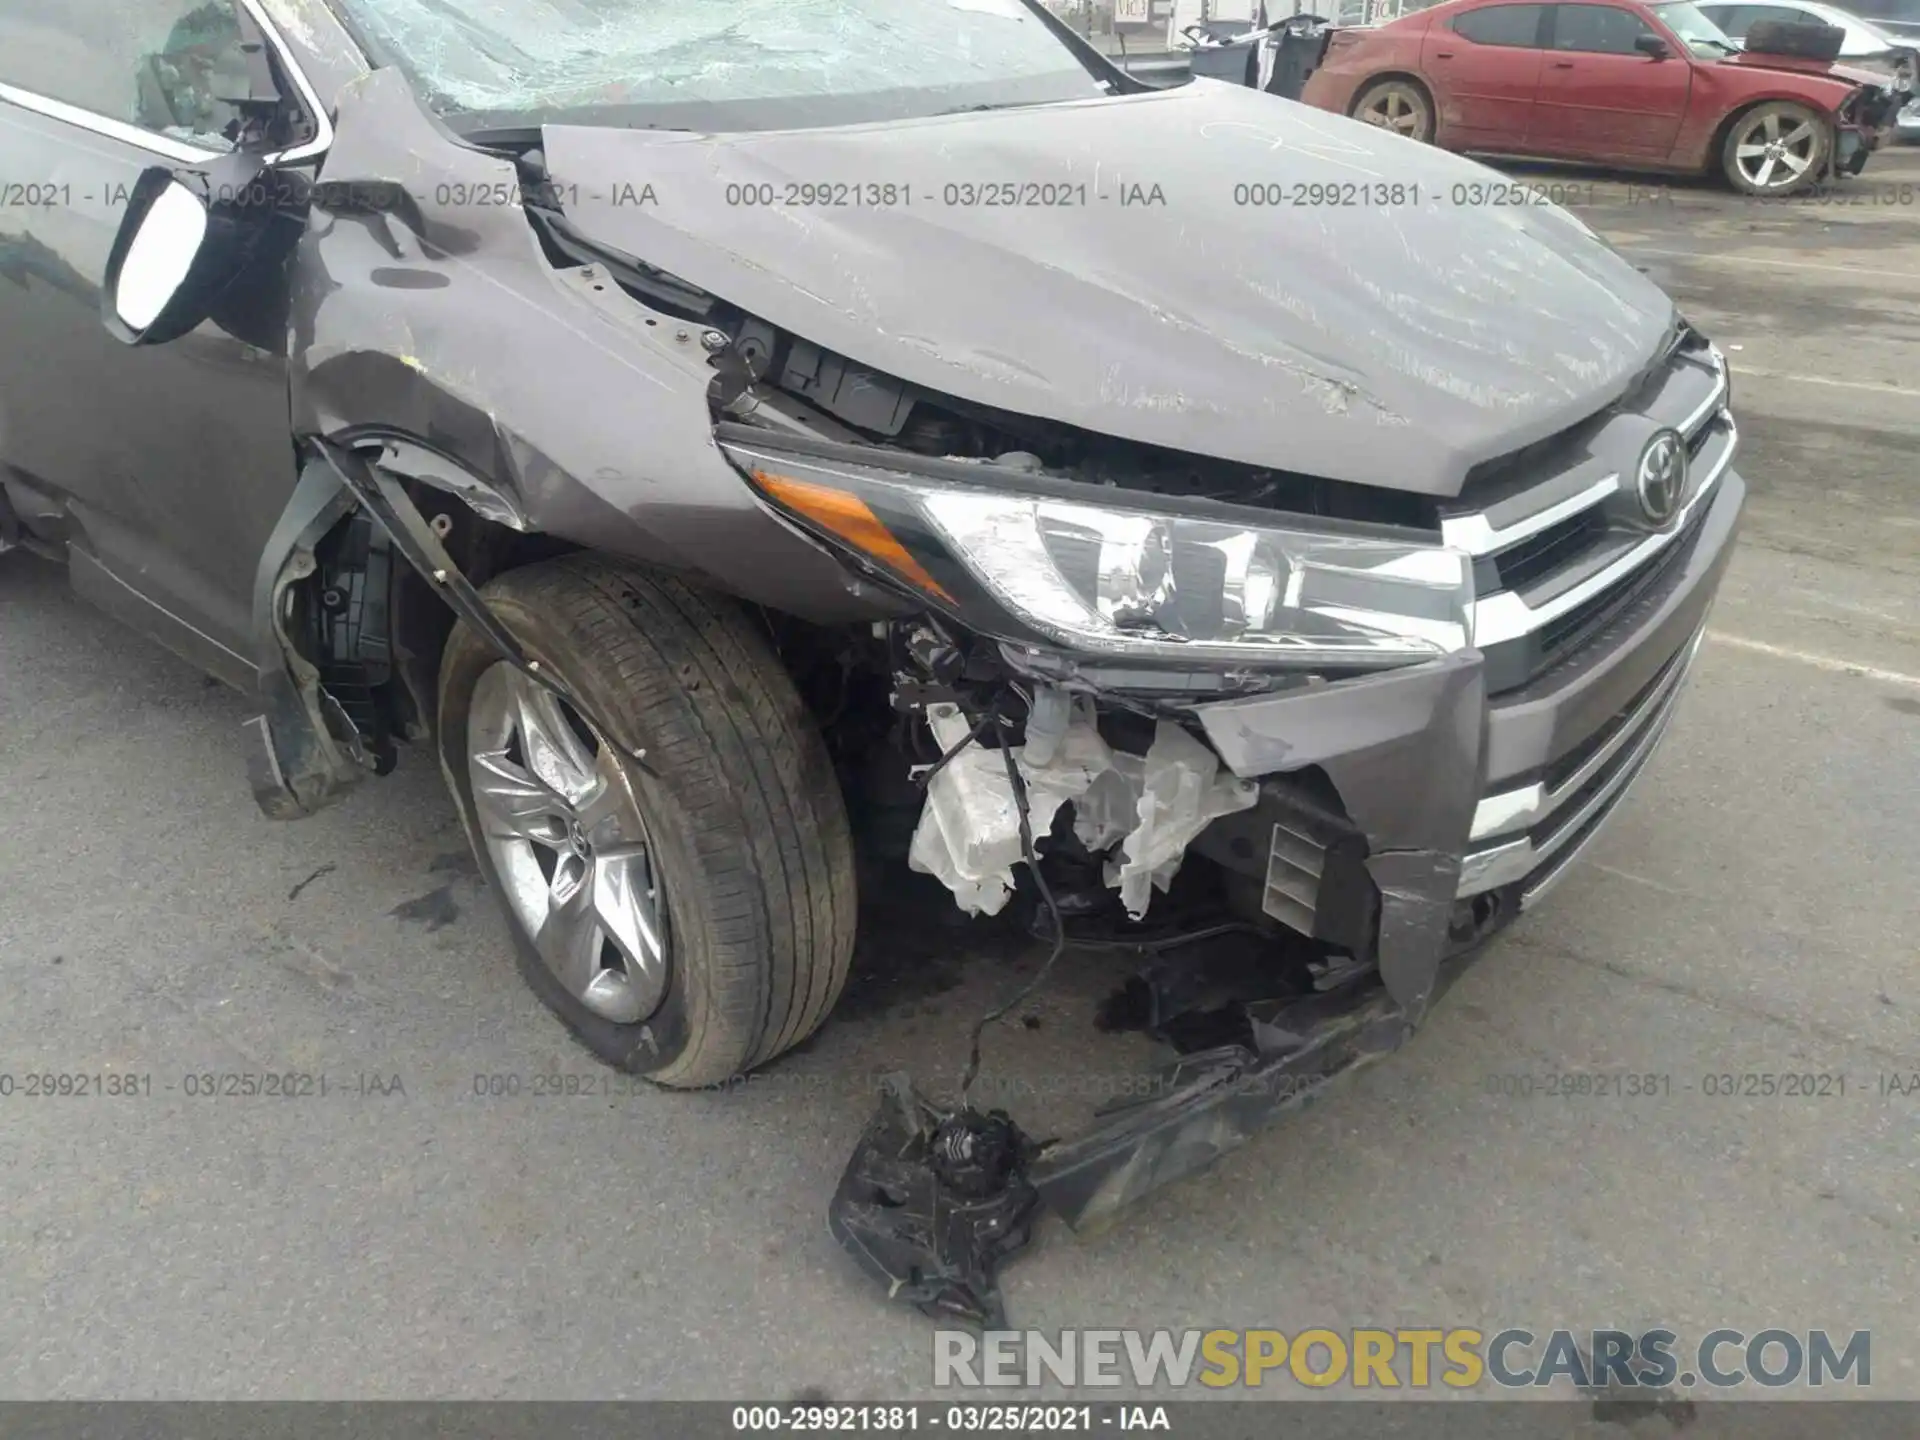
1753	909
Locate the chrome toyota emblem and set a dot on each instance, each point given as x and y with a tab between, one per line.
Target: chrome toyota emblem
1662	477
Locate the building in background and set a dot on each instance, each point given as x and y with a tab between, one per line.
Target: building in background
1151	30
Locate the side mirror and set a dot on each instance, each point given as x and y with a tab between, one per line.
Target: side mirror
1652	45
187	235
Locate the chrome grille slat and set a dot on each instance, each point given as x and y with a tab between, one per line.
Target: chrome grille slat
1597	559
1715	402
1548	551
1477	535
1542	573
1507	615
1563	557
1587	622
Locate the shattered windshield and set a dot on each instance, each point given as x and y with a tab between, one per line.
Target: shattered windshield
719	64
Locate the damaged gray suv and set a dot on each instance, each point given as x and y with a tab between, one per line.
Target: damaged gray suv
1172	516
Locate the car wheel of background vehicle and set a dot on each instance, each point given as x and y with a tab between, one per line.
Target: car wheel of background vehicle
1397	105
1776	148
687	924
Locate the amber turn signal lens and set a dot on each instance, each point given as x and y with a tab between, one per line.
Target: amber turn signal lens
847	516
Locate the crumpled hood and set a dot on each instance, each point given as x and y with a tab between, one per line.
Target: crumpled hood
1391	338
1861	73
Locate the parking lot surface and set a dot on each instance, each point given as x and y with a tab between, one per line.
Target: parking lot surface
1752	910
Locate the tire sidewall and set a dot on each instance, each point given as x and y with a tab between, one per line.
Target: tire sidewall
657	1047
1730	164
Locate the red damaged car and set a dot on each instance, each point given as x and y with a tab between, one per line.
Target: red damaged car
1645	86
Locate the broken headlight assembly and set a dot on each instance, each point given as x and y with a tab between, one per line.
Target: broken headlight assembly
1140	577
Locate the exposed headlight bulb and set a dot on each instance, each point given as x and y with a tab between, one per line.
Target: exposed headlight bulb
1255	580
1135	584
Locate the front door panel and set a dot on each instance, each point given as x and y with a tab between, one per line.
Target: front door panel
173	460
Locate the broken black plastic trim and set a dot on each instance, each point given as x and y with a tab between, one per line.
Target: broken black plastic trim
1215	1101
933	1202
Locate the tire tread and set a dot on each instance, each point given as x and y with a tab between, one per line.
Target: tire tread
752	779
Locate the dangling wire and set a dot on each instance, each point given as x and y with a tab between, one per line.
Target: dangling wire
1019	785
971	737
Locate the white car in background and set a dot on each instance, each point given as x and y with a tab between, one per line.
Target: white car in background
1892	47
1898	18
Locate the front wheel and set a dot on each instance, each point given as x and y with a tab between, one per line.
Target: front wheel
1778	148
688	917
1397	105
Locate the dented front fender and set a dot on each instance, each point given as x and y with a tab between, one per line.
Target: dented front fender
425	310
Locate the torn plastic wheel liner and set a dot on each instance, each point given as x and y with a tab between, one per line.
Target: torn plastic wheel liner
390	504
933	1201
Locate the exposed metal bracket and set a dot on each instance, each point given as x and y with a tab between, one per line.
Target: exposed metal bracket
390	504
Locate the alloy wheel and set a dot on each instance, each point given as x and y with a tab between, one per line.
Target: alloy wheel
1398	110
560	818
1774	150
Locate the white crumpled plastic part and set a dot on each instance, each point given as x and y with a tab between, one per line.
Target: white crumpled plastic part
969	831
1181	791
